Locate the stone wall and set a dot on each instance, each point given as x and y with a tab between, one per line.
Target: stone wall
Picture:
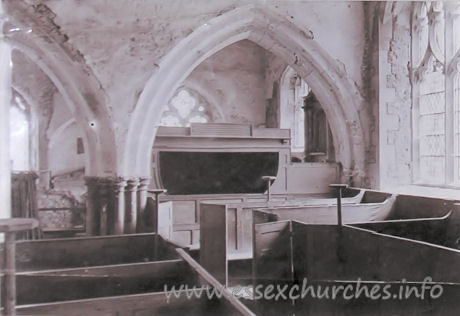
370	89
395	99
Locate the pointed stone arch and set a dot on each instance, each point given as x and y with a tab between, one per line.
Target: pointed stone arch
75	81
338	94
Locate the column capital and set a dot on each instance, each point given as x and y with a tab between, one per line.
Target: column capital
132	184
143	183
118	184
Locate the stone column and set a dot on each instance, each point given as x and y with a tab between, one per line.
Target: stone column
5	99
93	219
131	206
117	209
104	205
141	203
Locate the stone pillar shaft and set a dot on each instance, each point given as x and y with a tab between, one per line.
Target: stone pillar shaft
5	101
115	205
93	221
118	211
131	206
141	204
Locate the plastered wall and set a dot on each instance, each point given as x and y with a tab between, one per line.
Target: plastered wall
122	44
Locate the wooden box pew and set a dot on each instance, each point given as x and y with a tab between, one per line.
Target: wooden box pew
432	220
327	214
412	304
179	214
411	206
289	252
361	207
226	234
226	228
324	252
150	300
395	217
101	281
432	230
65	253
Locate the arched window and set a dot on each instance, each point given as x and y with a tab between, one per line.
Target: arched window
436	66
185	107
20	135
300	111
457	126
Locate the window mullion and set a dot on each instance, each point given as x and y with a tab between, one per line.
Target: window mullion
449	116
415	100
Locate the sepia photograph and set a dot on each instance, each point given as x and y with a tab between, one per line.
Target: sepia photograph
229	157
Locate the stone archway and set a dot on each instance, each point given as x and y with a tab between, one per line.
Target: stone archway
326	77
75	81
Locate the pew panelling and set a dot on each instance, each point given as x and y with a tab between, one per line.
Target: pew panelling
327	214
273	253
272	263
135	288
328	256
101	281
213	235
227	228
165	223
131	305
90	251
328	253
412	207
317	211
432	230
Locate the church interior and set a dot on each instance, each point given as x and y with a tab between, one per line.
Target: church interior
233	144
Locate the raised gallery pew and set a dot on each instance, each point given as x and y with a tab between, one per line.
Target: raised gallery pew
185	209
223	161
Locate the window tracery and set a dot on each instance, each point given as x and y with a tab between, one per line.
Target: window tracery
436	69
184	108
